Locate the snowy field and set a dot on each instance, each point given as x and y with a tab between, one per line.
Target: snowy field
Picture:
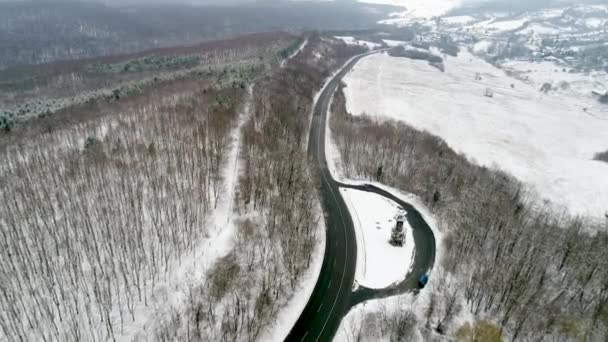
353	41
564	82
546	140
419	8
379	264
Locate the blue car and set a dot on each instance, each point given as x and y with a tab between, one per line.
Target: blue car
423	280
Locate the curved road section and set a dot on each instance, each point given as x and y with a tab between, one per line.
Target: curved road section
332	296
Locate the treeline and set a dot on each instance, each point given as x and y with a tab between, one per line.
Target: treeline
35	32
277	206
540	275
94	217
603	156
45	90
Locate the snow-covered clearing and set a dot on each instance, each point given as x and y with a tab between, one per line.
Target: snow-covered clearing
506	25
544	140
379	264
542	29
353	41
393	43
457	20
482	46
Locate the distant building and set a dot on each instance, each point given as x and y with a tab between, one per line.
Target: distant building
398	232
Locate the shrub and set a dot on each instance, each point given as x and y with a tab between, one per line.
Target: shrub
7	121
546	87
603	156
480	331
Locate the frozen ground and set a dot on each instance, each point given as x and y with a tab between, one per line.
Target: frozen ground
379	264
546	140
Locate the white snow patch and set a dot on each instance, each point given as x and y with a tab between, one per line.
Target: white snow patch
506	25
458	20
379	264
482	46
595	22
353	41
546	141
541	29
393	43
420	8
579	84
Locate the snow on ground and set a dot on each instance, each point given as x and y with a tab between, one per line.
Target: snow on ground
192	270
550	13
420	8
595	22
544	140
506	25
353	41
458	20
393	43
415	10
379	264
542	29
482	46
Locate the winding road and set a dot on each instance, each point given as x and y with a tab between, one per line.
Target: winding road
332	296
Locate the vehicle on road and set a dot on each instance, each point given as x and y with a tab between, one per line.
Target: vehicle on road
422	281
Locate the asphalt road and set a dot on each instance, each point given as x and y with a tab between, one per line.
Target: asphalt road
332	296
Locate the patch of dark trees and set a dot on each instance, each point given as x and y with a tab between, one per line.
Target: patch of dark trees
603	156
418	54
34	32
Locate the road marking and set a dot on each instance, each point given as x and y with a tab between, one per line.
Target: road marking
328	286
303	337
320	306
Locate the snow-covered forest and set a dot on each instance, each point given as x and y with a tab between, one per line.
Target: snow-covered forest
186	210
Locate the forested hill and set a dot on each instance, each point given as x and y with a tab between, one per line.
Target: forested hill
42	32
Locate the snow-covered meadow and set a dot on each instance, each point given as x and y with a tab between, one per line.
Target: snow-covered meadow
547	141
